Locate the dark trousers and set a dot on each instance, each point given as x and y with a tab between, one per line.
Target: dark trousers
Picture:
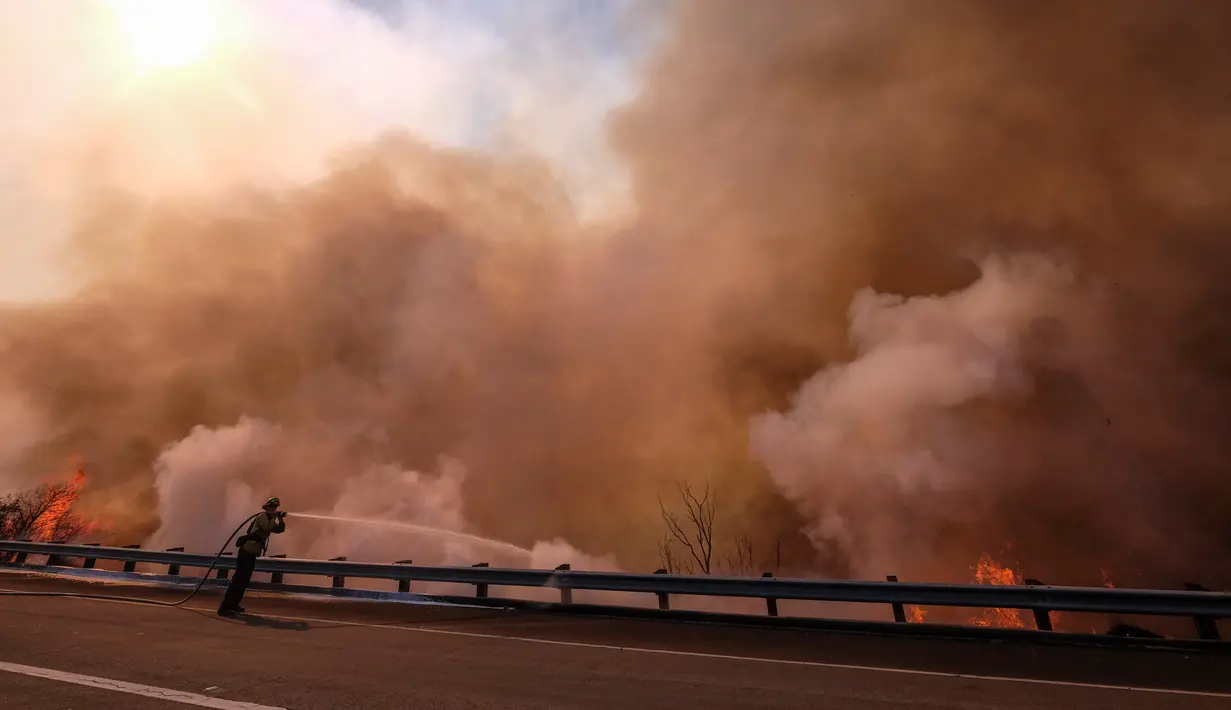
245	562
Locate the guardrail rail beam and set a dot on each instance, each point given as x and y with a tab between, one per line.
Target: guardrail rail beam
1195	602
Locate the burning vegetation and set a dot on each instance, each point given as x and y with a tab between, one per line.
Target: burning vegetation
47	513
988	571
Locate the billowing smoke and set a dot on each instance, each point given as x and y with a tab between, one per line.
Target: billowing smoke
203	486
905	283
202	482
833	148
870	446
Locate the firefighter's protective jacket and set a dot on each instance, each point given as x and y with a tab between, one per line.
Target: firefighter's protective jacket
259	531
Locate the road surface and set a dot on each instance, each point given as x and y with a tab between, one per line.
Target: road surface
306	654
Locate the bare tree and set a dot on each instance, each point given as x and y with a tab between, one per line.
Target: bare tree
694	531
8	512
746	560
44	513
740	561
671	561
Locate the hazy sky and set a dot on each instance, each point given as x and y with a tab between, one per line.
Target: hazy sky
301	79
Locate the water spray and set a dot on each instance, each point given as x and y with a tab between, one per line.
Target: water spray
425	529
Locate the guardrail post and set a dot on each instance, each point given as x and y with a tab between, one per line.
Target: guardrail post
89	561
173	570
566	594
771	603
54	560
664	599
404	584
1207	626
1042	617
131	566
338	580
21	556
480	590
899	611
223	572
276	577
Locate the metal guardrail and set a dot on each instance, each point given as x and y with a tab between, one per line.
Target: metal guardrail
1203	606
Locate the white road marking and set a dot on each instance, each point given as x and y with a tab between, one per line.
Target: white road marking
718	656
119	686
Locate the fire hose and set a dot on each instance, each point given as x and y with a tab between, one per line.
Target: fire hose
139	600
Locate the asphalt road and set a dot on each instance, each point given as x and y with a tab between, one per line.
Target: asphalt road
307	654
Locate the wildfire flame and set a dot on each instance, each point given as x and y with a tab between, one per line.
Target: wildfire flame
58	520
53	519
989	571
916	615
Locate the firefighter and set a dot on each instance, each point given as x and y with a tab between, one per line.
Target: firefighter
252	545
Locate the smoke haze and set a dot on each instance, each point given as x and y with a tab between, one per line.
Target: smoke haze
905	283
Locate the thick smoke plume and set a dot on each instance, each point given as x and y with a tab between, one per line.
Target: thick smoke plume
907	282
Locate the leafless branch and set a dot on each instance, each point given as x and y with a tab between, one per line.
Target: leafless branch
695	531
739	561
671	561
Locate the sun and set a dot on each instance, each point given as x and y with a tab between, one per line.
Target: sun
167	34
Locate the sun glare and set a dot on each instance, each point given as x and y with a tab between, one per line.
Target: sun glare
166	34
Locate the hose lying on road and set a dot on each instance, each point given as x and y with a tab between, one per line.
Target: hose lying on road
106	597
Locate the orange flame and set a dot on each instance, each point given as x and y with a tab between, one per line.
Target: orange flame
917	615
59	517
989	571
47	522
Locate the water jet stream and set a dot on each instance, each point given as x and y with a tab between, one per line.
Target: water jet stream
425	529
